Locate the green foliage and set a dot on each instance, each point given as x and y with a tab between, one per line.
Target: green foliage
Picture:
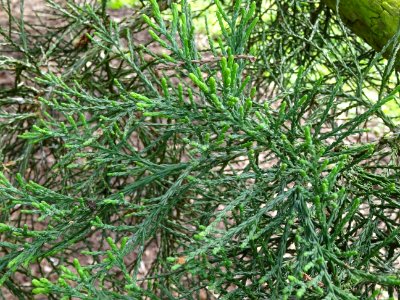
244	171
118	4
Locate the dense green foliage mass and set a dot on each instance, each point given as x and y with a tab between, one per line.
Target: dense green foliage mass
137	165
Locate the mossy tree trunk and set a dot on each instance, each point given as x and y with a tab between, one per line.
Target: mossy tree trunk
376	21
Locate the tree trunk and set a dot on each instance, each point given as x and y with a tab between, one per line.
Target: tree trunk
376	21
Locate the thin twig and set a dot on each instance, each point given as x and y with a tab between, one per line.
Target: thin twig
204	61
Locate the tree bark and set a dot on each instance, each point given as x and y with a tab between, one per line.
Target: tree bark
376	21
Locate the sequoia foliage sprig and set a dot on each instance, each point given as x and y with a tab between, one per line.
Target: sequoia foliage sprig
162	171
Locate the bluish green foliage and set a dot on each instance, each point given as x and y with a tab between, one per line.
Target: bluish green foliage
245	171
